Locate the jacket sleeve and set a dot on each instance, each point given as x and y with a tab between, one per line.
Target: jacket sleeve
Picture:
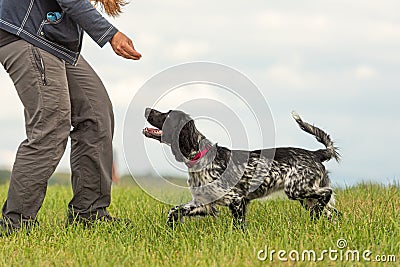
92	22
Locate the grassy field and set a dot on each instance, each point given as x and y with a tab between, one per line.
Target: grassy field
371	223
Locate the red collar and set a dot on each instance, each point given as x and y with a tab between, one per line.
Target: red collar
198	156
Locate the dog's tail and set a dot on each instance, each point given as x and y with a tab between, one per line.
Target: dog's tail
324	154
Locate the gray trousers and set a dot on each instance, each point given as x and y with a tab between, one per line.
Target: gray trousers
56	96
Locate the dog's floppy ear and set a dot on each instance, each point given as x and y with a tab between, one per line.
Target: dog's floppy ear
184	139
188	138
176	151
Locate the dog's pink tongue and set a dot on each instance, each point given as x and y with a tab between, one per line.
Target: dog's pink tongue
153	130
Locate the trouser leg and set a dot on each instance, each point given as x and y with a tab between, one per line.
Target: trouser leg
41	83
91	141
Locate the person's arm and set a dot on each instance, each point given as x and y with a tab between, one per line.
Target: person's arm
92	22
98	28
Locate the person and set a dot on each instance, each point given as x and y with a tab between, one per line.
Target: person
40	44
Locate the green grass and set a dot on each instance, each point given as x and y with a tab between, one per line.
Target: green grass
371	221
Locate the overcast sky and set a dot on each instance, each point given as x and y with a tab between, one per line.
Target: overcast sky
335	62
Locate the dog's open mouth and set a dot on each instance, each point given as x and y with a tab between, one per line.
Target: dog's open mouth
152	133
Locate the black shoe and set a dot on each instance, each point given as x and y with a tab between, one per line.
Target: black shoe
6	228
92	220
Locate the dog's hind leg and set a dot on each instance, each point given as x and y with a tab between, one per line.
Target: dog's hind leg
177	213
331	212
313	199
238	209
307	203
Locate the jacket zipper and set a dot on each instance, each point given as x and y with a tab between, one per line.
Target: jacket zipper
40	65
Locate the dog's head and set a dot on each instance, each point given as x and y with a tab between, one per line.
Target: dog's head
174	128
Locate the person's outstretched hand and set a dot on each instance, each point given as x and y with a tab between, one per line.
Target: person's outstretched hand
123	46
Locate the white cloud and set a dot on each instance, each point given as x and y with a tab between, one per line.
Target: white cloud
10	106
291	77
177	96
273	19
185	50
365	72
122	92
7	159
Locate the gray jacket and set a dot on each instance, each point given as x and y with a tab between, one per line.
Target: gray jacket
63	37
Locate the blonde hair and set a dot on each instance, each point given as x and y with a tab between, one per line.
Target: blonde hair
111	7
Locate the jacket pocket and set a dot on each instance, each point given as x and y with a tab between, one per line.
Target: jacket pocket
64	32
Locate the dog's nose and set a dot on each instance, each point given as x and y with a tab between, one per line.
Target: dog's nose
147	112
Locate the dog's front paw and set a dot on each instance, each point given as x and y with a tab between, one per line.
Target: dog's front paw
315	212
174	216
213	211
239	224
335	216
